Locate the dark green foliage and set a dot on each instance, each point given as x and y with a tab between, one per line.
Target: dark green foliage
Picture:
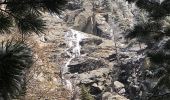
131	0
147	32
163	82
15	58
53	6
30	23
166	5
167	32
155	33
167	45
26	14
5	23
161	71
156	10
159	56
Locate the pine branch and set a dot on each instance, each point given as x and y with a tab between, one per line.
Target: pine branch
28	25
52	5
26	13
5	23
9	13
15	57
23	3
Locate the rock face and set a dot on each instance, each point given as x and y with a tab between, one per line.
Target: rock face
87	47
90	67
87	65
103	24
102	28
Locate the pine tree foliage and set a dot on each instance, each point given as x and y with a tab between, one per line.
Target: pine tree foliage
167	45
159	56
5	23
154	28
15	58
31	23
156	9
26	14
146	29
154	32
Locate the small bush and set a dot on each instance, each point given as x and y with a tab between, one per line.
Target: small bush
85	95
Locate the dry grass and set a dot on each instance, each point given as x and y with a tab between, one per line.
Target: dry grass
43	79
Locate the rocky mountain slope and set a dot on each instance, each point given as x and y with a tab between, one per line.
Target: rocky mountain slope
86	45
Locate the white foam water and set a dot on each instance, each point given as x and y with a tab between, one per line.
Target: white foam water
73	39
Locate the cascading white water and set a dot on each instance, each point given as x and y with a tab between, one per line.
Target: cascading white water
73	38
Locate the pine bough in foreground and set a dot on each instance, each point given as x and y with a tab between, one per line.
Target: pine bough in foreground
26	14
15	58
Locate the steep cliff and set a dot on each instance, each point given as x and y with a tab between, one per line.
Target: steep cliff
86	46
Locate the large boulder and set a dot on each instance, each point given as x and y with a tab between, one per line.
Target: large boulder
83	22
95	24
98	75
86	65
71	16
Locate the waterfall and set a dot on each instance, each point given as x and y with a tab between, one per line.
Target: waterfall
73	39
